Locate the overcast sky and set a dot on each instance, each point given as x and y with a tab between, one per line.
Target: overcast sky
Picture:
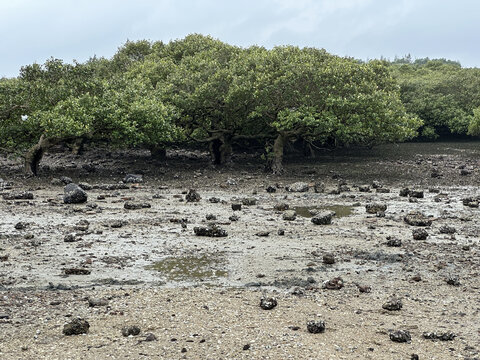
34	30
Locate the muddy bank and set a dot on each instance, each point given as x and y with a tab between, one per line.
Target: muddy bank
336	236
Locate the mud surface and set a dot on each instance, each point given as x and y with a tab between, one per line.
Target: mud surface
100	248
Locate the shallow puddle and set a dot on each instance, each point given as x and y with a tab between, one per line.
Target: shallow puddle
310	211
191	268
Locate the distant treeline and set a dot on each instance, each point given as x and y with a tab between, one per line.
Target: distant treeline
199	90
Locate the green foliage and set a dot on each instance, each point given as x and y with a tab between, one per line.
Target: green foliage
440	92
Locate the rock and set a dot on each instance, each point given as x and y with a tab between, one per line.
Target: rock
297	187
319	187
334	284
393	242
447	336
133	330
376	184
419	234
414	357
130	205
249	201
271	189
281	207
416	194
289	215
453	280
69	238
192	196
465	172
267	303
316	326
471	202
364	288
113	186
21	225
74	194
236	207
133	179
383	191
82	225
375	208
323	218
210	217
66	180
400	336
404	192
214	200
116	224
447	230
364	188
281	232
150	337
263	233
393	304
21	195
95	302
210	231
246	347
85	186
56	182
416	218
76	327
329	259
76	271
233	218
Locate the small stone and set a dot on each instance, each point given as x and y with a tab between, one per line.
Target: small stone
69	238
316	326
192	196
184	350
404	192
393	304
76	271
233	218
333	284
393	242
263	233
236	207
418	194
150	337
66	180
271	189
22	195
133	179
281	232
414	357
400	336
297	187
453	280
246	347
447	230
76	327
323	218
249	201
364	288
419	234
130	205
74	194
210	217
210	231
329	259
289	215
214	200
447	336
130	330
375	208
364	188
416	218
281	207
95	302
85	186
268	303
22	225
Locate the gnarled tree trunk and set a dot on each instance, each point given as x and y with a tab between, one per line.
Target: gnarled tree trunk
221	150
77	146
35	153
277	161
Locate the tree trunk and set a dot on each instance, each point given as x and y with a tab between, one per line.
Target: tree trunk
159	153
34	155
221	150
308	150
77	146
277	161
